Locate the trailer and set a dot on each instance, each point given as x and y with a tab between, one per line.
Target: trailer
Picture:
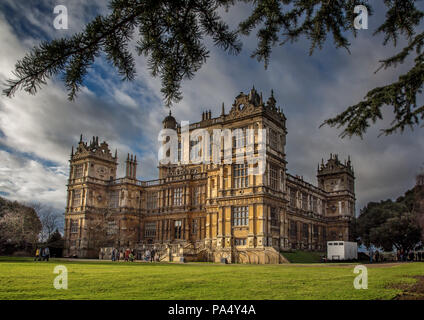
342	250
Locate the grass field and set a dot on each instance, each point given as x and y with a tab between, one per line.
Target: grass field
21	278
303	256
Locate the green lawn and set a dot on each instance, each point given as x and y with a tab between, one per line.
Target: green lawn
303	256
21	278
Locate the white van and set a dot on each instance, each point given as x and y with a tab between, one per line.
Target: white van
342	250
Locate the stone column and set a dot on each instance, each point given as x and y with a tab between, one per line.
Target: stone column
260	224
208	226
281	215
221	181
252	226
299	232
227	230
310	236
186	229
219	228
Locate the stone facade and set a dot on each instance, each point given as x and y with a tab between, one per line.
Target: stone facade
214	211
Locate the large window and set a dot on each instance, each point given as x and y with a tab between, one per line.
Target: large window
74	226
195	226
304	201
305	230
316	231
273	139
273	177
112	228
241	178
178	229
315	204
240	216
178	196
274	217
293	229
240	241
76	202
293	198
150	229
78	171
197	195
239	138
152	200
114	199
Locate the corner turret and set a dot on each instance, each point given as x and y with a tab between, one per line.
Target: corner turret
169	122
335	175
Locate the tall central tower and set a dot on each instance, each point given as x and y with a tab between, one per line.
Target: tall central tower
92	166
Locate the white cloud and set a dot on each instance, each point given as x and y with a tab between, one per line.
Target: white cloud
128	115
28	180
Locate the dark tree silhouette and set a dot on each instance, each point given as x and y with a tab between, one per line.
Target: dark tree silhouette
171	35
390	224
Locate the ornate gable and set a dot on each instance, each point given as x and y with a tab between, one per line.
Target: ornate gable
246	104
95	149
334	165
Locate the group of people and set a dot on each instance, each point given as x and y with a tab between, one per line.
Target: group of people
409	256
129	255
126	255
149	255
42	254
401	256
376	256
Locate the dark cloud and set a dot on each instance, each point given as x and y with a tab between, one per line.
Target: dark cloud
128	115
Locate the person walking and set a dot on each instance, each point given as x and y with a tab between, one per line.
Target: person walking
41	254
37	254
113	255
152	255
46	253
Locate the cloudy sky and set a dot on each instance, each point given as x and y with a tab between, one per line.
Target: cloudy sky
37	132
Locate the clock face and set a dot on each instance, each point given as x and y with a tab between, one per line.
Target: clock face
101	170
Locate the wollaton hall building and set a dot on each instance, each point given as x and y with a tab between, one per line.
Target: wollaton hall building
209	211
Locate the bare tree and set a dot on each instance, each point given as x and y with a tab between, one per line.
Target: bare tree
19	227
49	217
105	231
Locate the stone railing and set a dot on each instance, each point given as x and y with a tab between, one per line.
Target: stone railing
304	184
